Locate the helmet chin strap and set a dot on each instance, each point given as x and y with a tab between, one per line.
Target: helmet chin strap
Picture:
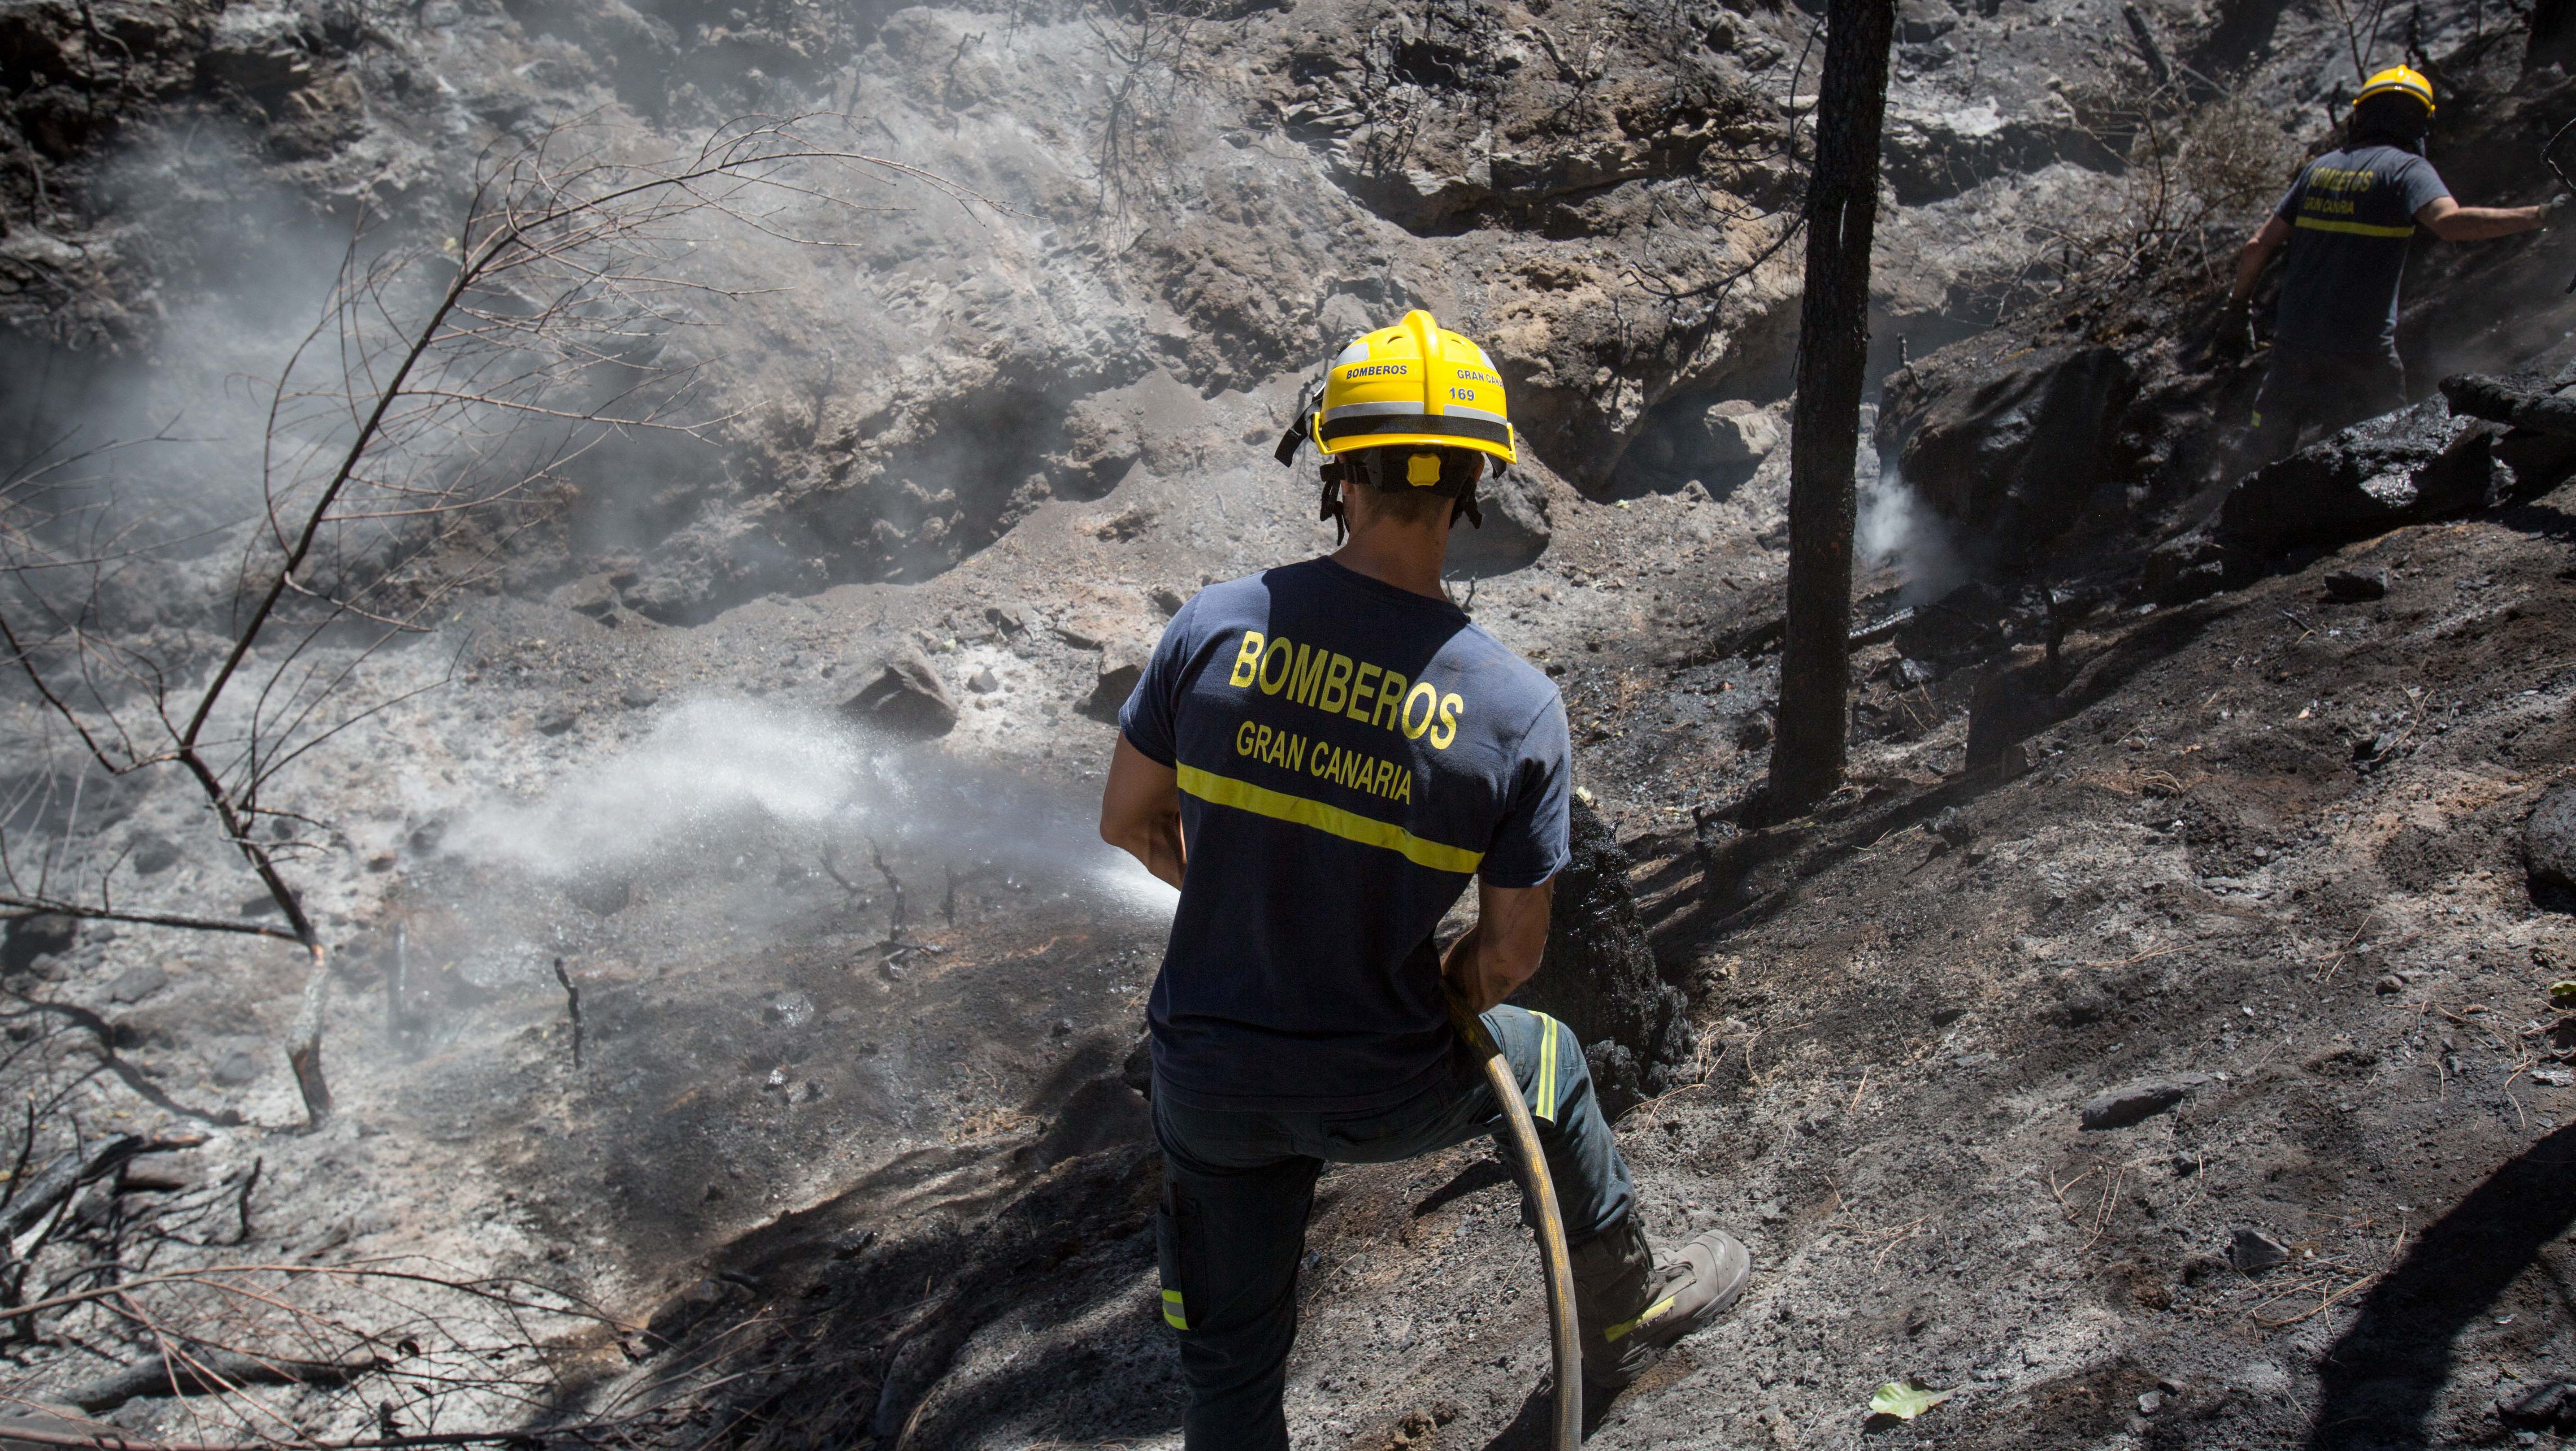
1333	507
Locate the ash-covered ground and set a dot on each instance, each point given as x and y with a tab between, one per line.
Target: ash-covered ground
2150	812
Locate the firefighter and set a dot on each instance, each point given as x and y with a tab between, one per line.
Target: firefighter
1321	757
2347	221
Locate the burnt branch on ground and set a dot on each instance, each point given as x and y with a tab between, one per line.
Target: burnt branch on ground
572	1008
128	1273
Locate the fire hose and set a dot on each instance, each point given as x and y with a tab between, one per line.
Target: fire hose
1566	1432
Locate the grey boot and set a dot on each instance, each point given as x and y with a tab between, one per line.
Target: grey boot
1630	1305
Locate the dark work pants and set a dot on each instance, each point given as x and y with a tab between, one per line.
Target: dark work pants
1237	1186
2306	396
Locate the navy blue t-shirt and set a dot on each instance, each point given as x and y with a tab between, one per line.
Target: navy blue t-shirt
1349	754
2351	215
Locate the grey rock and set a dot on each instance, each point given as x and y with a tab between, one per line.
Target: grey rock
2549	843
554	720
667	595
1739	432
2136	1102
1101	443
2353	586
2405	467
45	934
1948	826
235	1069
638	696
600	892
590	595
1934	152
152	853
903	697
985	682
2010	442
1122	664
2533	1407
2252	1251
137	983
1009	619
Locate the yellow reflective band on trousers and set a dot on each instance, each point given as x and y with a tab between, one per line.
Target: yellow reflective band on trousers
2358	229
1545	1107
1219	790
1620	1331
1174	1313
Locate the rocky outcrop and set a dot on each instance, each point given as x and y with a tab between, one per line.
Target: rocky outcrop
2537	451
2417	463
2010	442
2404	467
1599	975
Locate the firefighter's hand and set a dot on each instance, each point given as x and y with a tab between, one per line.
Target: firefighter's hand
2554	210
2235	335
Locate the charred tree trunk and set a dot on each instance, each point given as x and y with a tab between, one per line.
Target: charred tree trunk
1824	430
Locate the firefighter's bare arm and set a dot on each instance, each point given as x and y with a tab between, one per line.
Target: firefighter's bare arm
1501	951
2258	250
1140	813
2452	222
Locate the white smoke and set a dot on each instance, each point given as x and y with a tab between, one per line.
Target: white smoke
709	772
716	777
1895	528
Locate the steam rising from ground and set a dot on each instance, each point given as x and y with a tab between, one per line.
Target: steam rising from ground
1894	527
717	781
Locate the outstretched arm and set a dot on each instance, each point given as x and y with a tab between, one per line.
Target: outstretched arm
2452	222
1140	812
1502	950
2258	249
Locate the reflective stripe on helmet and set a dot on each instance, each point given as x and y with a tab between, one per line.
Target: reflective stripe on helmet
1451	425
1394	410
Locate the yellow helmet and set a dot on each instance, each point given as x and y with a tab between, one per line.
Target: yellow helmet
1413	383
2398	81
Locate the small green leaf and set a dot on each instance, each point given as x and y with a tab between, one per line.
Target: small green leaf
1906	1401
2563	992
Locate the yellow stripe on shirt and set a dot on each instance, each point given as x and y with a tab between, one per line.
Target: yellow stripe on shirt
1219	790
2358	229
